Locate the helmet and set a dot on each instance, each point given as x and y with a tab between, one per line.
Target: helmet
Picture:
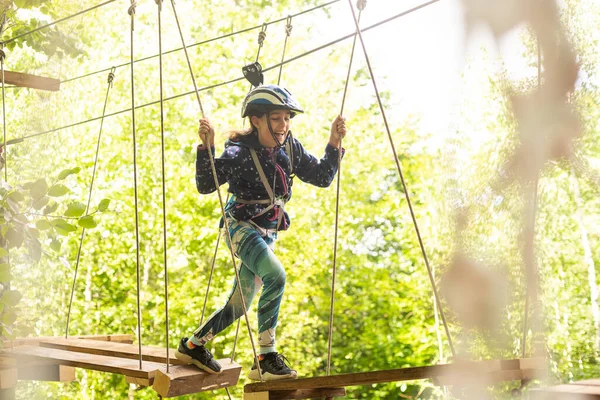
270	97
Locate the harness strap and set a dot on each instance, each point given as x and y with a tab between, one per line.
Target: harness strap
289	149
263	177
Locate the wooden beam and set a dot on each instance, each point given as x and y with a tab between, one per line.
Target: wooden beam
31	81
49	373
393	375
121	350
139	381
321	393
188	379
34	341
88	361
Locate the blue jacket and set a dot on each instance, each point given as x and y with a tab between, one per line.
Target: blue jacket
236	167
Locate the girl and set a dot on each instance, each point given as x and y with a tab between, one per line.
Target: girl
259	165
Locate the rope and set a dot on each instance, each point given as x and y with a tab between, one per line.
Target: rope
111	77
288	32
164	189
131	12
214	171
12	39
337	205
4	159
289	60
208	40
405	188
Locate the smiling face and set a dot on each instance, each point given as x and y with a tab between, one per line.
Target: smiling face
280	124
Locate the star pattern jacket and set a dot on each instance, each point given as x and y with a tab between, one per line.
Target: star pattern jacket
236	167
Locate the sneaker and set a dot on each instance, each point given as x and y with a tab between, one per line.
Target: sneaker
273	367
198	356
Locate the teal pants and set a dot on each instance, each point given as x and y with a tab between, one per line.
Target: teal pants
259	267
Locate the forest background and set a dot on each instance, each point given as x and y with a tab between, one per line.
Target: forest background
384	312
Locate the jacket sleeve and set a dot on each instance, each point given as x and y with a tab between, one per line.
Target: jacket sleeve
225	166
316	172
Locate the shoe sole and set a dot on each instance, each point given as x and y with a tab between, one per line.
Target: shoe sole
253	375
187	359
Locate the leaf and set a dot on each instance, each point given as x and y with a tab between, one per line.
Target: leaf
3	252
75	209
35	250
62	227
11	298
103	206
43	225
55	245
66	172
9	317
14	237
87	222
38	188
41	202
51	208
58	190
16	196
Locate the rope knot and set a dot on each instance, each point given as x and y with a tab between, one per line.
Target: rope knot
361	4
159	4
131	10
262	35
288	27
111	76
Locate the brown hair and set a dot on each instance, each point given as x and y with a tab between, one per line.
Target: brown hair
235	134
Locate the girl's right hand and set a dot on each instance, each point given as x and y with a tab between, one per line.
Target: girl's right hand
206	133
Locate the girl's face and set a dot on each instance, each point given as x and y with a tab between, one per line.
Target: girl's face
280	123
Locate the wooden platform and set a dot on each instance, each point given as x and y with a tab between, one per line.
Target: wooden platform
187	379
582	390
112	349
127	367
492	371
55	358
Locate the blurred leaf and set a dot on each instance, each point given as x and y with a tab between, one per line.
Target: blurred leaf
51	208
87	222
66	172
58	190
43	224
41	202
3	252
55	245
38	189
5	274
11	298
14	237
9	317
75	209
103	206
63	227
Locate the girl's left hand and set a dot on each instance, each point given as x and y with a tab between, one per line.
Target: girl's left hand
338	131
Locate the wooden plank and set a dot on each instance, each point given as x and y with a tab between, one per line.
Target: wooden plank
82	360
307	393
476	378
8	377
31	81
587	382
34	341
188	379
393	375
50	373
570	392
121	350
